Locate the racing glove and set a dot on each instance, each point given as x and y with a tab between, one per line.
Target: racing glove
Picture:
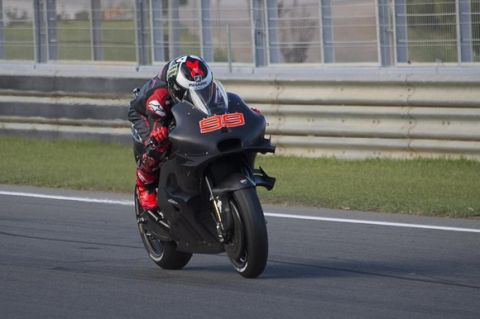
159	139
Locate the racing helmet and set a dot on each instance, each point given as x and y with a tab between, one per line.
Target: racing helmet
188	73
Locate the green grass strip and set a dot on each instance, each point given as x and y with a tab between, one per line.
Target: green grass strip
422	186
433	187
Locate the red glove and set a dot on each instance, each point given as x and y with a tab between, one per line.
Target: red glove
159	134
159	139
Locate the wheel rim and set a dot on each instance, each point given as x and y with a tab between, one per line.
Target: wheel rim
152	244
236	248
156	248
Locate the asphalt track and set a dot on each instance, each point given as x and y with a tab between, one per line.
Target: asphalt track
63	258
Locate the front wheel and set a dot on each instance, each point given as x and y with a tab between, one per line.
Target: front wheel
248	244
163	253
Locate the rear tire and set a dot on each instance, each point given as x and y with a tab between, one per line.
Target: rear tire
248	245
163	253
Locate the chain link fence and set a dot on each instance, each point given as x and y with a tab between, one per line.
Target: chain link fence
251	32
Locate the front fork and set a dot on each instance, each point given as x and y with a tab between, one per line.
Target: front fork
246	177
217	205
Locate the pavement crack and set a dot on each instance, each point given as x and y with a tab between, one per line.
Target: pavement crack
376	274
69	240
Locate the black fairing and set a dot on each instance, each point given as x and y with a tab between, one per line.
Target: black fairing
225	155
196	147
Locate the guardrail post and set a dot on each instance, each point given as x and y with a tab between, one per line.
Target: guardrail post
52	29
464	23
96	30
259	42
401	31
272	26
328	55
229	48
2	33
40	36
173	29
385	31
141	34
206	49
158	34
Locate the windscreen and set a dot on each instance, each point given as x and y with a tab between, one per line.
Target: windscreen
211	99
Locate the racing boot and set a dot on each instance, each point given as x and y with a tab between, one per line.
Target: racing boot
148	169
147	177
147	197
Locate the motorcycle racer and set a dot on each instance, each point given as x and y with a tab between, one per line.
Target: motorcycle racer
150	115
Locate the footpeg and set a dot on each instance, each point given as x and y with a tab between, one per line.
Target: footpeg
141	221
154	216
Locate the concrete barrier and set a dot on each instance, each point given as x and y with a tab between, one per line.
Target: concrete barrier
398	118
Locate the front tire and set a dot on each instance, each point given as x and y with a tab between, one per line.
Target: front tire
248	245
162	253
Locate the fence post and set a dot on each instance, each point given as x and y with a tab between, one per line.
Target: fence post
52	29
272	26
327	31
385	32
259	34
141	33
2	33
174	29
96	30
158	34
229	48
206	48
464	23
401	31
39	31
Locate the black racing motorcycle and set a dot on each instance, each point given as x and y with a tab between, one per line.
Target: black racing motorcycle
207	195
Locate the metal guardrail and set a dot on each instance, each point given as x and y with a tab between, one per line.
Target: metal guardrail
370	119
359	132
346	119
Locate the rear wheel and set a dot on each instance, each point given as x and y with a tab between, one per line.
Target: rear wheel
248	244
163	253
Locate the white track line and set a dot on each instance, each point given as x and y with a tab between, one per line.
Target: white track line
373	222
289	216
75	199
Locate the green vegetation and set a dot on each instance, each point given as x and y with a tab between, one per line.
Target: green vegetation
422	186
118	40
432	30
427	187
68	164
74	41
432	36
426	46
19	41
